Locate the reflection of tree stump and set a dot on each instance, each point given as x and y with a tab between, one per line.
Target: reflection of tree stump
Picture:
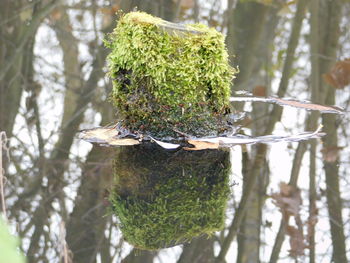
169	79
164	197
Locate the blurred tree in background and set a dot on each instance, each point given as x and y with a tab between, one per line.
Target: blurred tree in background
53	83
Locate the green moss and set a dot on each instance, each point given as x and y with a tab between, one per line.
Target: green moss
163	198
168	76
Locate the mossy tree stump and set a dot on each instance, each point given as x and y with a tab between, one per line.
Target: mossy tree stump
169	80
169	77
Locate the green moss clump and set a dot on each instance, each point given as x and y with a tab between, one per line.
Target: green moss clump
164	198
168	76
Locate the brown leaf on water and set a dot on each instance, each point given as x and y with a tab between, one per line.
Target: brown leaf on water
201	145
296	241
259	91
288	200
331	154
106	136
339	75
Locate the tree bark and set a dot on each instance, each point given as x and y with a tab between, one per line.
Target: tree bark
248	238
330	14
243	38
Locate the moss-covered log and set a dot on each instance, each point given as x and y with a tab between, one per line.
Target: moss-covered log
163	198
169	80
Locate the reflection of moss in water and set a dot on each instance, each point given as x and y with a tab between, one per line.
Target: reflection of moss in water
163	198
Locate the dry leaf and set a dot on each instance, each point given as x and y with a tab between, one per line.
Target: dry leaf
202	145
331	154
166	145
106	136
122	142
56	14
297	244
286	189
259	91
101	133
288	200
339	75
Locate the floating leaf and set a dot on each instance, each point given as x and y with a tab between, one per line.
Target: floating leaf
109	136
166	145
201	145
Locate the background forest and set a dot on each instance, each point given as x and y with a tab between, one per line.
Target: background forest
290	202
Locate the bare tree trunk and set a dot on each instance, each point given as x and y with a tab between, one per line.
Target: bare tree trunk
86	226
334	200
249	234
330	15
243	38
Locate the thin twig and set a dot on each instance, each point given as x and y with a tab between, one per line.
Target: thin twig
64	251
3	141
